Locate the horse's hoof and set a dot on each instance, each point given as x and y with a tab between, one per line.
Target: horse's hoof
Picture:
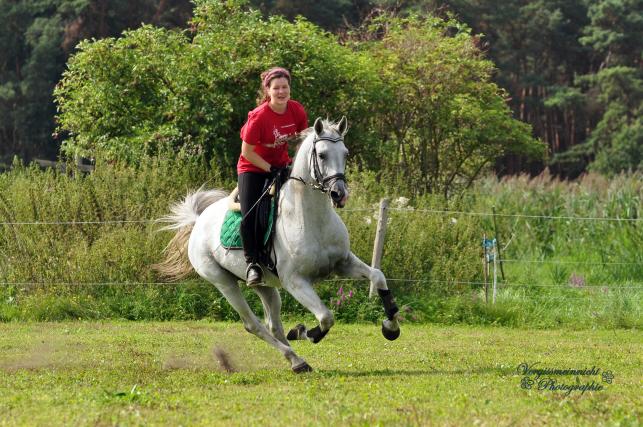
297	333
390	334
300	369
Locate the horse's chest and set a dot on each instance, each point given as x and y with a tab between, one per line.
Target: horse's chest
321	263
315	252
325	247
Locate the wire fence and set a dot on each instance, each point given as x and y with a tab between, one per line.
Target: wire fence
552	217
373	209
116	221
590	287
554	262
605	288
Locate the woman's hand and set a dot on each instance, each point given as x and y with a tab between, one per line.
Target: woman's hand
248	151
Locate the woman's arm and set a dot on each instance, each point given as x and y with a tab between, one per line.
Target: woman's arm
248	151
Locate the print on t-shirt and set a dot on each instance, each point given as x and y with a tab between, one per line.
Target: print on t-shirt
269	132
280	138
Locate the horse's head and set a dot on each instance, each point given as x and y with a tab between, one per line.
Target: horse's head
328	159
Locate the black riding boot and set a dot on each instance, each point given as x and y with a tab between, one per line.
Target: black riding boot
254	275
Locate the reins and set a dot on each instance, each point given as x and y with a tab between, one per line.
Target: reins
321	183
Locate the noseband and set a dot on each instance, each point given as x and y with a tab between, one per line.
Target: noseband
322	183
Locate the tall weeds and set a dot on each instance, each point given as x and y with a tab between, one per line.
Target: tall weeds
559	270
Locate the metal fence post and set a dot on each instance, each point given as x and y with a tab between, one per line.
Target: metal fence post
495	270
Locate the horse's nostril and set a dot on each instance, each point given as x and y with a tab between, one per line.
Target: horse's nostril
336	195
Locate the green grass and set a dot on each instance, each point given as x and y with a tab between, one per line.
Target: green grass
164	373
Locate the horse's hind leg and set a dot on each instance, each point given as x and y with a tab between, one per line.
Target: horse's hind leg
226	283
272	308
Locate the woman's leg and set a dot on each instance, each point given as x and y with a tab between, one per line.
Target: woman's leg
250	189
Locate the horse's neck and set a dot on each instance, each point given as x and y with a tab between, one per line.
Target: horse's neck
303	203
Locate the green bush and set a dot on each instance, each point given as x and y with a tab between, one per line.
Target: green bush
154	90
442	118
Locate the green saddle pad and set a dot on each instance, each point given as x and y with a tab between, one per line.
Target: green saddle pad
230	235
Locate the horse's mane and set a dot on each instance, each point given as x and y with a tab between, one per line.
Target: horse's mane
298	138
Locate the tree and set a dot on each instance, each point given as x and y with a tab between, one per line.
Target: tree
332	15
616	36
29	69
443	120
536	49
36	37
616	31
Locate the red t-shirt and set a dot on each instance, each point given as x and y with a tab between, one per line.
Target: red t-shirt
267	131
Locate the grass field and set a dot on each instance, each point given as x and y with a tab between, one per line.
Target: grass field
165	373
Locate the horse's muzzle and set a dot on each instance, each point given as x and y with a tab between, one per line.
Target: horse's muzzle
339	193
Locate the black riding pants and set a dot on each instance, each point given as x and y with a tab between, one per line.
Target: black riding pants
251	187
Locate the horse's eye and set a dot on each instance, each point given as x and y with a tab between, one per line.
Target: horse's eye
322	156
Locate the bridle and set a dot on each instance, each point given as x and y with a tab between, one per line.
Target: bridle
321	183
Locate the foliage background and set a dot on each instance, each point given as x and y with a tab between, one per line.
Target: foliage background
576	273
571	69
160	110
428	115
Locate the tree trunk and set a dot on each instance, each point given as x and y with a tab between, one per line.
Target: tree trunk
159	11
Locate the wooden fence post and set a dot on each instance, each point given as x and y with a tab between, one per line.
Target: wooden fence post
378	247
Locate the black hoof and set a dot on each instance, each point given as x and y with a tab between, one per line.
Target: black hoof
389	334
297	333
300	369
316	334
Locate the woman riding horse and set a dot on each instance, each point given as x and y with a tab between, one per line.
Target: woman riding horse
310	240
264	152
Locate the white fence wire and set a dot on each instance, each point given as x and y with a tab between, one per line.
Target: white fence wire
553	217
603	288
409	210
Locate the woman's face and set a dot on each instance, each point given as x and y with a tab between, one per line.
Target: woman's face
279	92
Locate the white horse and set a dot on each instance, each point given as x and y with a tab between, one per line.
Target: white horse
310	243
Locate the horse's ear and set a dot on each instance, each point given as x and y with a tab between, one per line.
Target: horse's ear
343	126
319	126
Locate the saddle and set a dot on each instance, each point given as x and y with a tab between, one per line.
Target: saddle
267	218
230	230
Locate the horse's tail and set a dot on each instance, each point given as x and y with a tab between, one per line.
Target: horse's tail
176	264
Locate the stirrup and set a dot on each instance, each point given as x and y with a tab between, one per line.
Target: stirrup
255	279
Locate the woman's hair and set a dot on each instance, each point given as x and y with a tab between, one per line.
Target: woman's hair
268	76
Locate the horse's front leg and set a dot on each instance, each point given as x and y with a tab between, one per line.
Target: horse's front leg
356	268
302	290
